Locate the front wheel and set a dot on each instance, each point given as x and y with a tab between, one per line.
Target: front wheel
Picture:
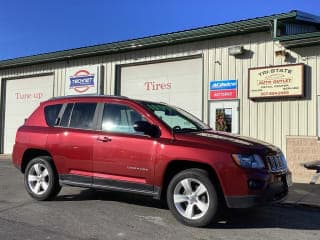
41	179
192	198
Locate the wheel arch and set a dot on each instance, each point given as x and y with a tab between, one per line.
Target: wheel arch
177	166
32	153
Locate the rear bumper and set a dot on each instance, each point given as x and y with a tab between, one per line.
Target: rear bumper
271	193
16	156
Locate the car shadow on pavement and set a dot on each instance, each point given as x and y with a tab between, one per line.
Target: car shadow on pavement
92	194
273	216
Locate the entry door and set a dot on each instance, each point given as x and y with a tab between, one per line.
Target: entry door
224	116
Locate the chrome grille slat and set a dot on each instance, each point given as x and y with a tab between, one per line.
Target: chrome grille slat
276	163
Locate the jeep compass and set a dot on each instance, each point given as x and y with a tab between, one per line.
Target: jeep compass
149	148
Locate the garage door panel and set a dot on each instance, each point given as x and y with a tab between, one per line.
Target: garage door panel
23	96
178	83
9	141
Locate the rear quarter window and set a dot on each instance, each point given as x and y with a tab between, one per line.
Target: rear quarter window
51	113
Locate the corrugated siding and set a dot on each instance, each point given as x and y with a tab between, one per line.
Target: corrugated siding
271	120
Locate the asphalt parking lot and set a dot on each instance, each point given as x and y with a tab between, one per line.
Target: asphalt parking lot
87	214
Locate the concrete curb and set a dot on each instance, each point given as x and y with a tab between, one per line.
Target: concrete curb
302	195
300	205
5	156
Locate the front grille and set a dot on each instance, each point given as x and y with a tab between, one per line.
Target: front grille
276	163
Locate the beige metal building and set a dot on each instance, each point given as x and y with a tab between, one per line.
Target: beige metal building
260	74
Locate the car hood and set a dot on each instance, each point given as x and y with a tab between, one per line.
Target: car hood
224	141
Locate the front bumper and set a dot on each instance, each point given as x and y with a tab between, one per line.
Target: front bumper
276	191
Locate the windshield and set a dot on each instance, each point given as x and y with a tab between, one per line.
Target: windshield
177	119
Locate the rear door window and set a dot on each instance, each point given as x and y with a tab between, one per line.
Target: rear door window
82	115
66	115
51	113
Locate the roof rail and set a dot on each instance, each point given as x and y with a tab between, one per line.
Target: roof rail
88	96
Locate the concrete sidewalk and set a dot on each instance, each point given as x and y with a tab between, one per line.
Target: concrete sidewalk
304	194
300	194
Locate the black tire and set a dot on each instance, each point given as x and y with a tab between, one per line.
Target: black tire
41	175
209	199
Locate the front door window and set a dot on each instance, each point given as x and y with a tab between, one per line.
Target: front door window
120	119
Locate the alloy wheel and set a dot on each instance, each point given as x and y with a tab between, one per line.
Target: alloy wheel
191	198
38	178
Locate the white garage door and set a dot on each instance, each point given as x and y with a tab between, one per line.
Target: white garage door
176	82
22	98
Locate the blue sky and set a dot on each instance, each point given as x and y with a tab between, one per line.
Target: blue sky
38	26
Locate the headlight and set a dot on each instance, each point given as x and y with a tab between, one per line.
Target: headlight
248	161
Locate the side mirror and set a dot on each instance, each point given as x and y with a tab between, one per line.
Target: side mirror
147	128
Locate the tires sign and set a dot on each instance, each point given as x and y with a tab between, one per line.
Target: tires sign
177	82
81	80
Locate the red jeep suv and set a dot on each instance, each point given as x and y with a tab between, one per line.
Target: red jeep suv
149	148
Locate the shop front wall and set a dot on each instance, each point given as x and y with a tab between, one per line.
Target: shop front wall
273	120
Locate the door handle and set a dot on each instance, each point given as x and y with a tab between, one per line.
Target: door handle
103	139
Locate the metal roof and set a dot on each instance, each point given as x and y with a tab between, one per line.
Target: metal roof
214	31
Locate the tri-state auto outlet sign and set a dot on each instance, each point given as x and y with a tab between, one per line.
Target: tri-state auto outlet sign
276	81
82	80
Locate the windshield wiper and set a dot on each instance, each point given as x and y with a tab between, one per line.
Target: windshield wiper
185	130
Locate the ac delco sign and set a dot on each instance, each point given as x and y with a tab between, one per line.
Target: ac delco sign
81	80
223	89
276	81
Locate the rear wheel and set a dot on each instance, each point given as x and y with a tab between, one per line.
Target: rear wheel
192	198
41	179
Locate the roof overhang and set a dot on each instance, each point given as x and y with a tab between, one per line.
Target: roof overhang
299	40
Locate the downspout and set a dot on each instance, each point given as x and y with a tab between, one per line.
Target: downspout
275	28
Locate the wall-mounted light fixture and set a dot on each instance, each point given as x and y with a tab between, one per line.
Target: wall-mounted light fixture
235	50
281	53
